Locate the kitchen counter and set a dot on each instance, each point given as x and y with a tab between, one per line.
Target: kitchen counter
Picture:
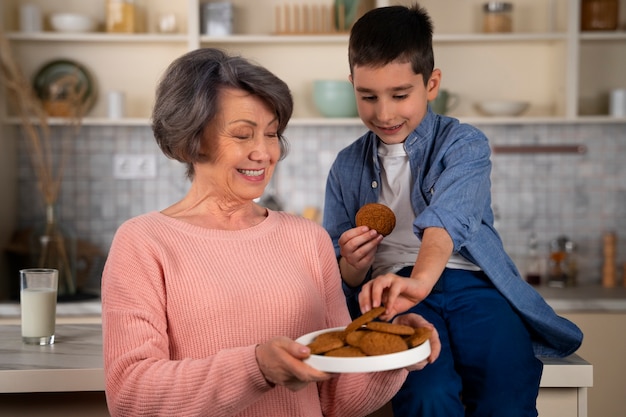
74	365
589	298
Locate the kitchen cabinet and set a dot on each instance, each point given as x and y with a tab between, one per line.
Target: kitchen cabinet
604	346
564	73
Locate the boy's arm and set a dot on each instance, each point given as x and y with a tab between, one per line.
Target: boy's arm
434	254
399	294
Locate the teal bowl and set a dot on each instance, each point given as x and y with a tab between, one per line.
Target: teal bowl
334	98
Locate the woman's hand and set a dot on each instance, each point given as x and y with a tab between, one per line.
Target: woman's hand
415	321
280	361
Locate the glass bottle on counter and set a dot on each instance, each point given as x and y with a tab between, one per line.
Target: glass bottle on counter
532	273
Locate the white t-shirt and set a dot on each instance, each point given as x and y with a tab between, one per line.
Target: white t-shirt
400	248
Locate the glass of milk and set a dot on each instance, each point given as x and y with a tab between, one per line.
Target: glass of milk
38	302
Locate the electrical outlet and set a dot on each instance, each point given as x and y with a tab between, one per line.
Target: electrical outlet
134	166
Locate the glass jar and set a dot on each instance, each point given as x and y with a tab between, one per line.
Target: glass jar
532	273
563	267
120	16
498	17
599	14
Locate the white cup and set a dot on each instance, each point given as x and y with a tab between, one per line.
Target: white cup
38	304
30	18
116	105
617	103
167	23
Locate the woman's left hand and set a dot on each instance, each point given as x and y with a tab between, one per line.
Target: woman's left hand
415	320
281	362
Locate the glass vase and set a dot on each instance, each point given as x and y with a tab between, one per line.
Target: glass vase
54	246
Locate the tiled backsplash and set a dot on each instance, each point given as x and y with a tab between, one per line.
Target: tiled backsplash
550	194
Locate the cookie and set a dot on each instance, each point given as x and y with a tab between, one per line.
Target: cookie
326	342
376	343
346	352
419	336
399	329
353	338
364	319
376	216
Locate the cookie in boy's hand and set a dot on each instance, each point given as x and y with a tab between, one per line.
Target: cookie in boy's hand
376	216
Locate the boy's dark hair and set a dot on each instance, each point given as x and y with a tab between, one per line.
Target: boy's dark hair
394	33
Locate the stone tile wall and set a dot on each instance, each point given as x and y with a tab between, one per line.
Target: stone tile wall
549	194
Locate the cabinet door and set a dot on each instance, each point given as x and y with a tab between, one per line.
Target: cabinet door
604	346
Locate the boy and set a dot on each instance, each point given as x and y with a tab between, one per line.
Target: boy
444	259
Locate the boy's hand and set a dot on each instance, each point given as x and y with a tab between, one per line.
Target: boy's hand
357	249
396	293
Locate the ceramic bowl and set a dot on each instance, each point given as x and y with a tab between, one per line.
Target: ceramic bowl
72	22
334	98
502	107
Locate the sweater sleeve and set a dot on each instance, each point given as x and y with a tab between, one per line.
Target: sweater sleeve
140	377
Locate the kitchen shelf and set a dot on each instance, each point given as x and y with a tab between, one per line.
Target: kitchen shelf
543	61
603	36
97	37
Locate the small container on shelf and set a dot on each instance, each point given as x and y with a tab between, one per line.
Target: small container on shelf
497	17
120	16
216	18
599	14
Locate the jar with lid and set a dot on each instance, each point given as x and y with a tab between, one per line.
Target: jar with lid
497	17
120	16
599	14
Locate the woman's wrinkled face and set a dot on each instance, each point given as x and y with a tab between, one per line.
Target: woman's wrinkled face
242	147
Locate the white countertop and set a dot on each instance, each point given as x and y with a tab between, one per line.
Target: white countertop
585	298
74	363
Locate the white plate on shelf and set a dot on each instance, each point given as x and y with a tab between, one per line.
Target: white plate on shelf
364	364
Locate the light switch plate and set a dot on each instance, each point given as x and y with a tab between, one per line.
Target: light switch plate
134	166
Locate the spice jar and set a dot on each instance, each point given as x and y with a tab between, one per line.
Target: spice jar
120	16
497	17
599	14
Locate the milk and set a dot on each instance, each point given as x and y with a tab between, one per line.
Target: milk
38	311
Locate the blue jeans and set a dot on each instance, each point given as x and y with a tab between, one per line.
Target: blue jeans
486	367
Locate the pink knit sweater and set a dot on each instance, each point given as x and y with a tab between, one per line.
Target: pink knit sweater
184	308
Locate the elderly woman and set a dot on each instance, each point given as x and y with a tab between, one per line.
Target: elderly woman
203	300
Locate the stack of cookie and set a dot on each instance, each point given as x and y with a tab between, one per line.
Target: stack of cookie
367	337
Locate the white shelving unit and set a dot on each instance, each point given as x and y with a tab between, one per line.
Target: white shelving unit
565	74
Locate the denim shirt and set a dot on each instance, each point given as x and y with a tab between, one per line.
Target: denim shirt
451	189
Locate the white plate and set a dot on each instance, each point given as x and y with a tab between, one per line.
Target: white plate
364	364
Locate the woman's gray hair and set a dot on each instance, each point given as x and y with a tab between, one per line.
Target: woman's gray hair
187	100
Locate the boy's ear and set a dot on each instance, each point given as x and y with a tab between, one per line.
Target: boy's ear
432	87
